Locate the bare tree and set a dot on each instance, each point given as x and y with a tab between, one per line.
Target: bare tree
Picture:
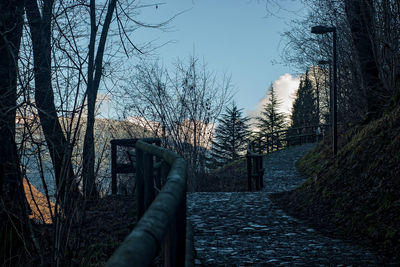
360	15
13	212
95	65
368	52
96	69
59	149
305	50
58	32
180	105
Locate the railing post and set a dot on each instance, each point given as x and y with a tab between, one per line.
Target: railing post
163	224
260	172
300	135
257	171
278	141
169	246
189	257
181	233
261	168
148	177
139	184
272	141
113	169
157	178
249	182
164	170
169	243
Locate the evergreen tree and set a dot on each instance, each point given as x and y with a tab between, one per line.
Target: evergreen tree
230	137
270	119
304	110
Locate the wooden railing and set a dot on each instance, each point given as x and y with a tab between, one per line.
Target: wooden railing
255	170
124	168
161	225
290	137
274	141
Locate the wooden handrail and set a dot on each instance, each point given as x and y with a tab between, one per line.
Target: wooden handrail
162	223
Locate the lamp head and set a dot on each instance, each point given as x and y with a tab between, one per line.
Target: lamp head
324	62
322	29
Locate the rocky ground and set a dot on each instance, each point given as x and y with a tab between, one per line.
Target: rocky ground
248	229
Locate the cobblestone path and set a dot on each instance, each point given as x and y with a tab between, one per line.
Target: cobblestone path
247	229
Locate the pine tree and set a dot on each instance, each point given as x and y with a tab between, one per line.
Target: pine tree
271	120
230	137
304	110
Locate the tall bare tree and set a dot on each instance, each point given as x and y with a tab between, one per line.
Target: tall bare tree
95	66
368	52
360	15
40	21
13	213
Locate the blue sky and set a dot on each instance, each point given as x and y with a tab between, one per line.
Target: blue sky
241	38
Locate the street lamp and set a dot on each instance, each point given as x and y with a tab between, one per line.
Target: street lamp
322	30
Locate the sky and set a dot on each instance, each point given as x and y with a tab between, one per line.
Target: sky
238	37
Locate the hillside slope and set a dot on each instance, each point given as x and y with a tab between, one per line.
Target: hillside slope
356	196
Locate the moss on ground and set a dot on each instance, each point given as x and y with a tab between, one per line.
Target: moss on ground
358	193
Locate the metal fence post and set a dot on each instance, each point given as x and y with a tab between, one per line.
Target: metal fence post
139	183
181	233
113	169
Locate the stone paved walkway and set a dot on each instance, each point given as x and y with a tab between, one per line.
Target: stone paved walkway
247	229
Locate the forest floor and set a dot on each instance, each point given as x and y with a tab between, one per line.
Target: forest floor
92	241
106	224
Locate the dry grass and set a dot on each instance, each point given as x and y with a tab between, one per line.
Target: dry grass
229	178
42	210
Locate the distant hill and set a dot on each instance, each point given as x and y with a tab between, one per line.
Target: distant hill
105	130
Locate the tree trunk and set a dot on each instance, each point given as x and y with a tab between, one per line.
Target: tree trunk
13	212
59	148
360	15
95	66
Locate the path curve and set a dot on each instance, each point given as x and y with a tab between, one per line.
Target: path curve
248	229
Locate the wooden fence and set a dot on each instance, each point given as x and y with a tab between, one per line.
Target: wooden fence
117	167
161	225
290	137
275	141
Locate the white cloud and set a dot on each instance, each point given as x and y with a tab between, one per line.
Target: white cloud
285	88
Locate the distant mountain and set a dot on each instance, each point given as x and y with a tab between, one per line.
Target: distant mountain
105	131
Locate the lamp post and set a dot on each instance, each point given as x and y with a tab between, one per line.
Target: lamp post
322	30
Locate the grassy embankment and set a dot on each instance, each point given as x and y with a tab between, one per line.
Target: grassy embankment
231	177
356	196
